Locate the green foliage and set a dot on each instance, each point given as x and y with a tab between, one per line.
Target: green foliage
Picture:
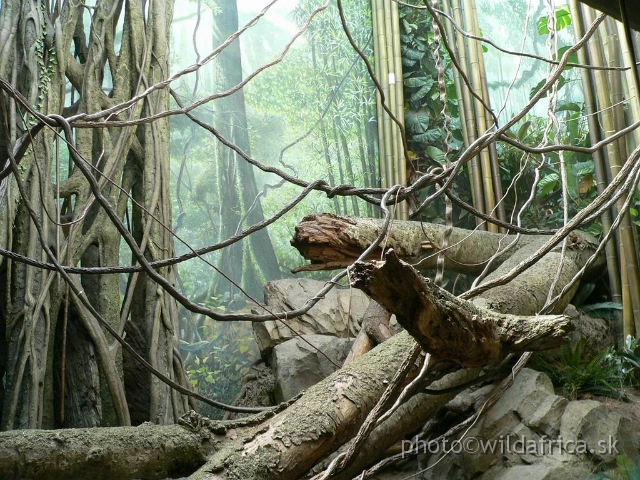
607	374
546	209
629	360
578	375
601	309
216	365
563	20
423	108
561	83
625	469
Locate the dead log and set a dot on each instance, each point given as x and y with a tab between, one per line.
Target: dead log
374	331
148	451
333	242
449	328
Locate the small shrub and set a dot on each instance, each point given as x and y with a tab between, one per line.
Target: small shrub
626	469
577	375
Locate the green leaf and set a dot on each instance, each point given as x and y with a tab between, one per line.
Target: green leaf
429	136
573	58
604	306
413	54
561	82
548	184
569	107
417	120
583	294
421	94
436	154
523	130
583	168
418	82
563	20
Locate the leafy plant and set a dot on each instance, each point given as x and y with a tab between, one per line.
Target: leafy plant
601	309
629	359
626	469
425	125
563	20
426	135
578	375
216	365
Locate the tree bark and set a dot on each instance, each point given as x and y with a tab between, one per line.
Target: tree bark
57	363
451	329
103	453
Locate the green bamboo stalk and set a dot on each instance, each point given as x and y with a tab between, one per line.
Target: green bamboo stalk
619	41
611	45
630	274
454	41
467	106
380	53
391	91
493	151
631	87
470	17
396	65
613	265
628	230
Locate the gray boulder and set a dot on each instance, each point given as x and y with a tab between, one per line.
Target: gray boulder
303	361
339	313
532	434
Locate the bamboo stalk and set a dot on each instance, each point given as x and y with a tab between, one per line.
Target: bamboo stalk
389	82
611	46
470	17
377	66
613	266
401	162
493	151
632	88
630	274
454	42
380	53
628	231
474	165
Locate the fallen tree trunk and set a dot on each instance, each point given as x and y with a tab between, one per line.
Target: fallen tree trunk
147	451
287	444
284	446
333	242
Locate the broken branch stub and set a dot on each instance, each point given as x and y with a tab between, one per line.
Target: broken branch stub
447	327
